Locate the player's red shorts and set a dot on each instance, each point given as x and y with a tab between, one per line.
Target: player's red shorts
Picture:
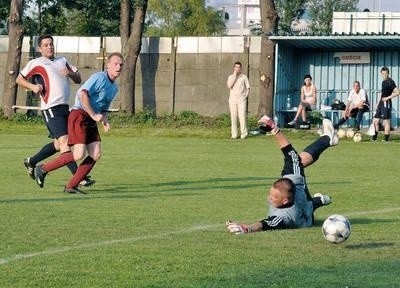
82	129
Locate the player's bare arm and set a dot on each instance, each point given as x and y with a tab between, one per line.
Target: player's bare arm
74	76
105	123
395	93
237	228
21	81
84	97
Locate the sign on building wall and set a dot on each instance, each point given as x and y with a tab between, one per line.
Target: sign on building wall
353	57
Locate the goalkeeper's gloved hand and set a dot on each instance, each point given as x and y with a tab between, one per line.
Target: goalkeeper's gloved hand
237	228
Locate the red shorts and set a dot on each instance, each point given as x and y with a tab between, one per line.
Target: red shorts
82	129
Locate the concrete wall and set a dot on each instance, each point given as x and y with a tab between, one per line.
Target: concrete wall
173	74
366	22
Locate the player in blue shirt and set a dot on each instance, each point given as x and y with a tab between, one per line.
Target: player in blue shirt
92	102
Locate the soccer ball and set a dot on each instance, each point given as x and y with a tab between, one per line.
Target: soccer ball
357	137
336	228
341	133
349	133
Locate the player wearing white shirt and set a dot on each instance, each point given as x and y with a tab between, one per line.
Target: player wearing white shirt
50	79
52	76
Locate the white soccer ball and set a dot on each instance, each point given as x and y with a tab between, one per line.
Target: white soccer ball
341	133
336	229
349	133
357	137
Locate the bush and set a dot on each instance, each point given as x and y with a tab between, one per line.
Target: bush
315	117
148	118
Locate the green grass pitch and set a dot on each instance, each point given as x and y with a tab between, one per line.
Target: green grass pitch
155	217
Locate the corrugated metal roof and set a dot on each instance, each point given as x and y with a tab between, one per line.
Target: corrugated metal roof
340	42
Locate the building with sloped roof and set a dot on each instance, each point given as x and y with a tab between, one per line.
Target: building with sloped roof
335	61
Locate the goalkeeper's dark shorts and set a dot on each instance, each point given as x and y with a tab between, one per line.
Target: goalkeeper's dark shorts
292	161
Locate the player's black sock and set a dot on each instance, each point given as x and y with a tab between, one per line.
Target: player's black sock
46	151
386	137
72	167
341	121
317	203
375	136
318	146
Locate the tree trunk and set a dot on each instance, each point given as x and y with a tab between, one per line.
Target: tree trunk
269	23
15	37
131	42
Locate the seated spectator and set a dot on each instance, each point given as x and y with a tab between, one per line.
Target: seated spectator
357	104
308	100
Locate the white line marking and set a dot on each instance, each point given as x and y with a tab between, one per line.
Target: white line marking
7	260
381	211
54	251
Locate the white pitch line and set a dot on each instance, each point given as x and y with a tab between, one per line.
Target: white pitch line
7	260
381	211
54	251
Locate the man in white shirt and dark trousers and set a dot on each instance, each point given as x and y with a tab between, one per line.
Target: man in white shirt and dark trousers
239	87
357	104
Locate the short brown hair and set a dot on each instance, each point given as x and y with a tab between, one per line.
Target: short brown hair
384	68
286	187
44	36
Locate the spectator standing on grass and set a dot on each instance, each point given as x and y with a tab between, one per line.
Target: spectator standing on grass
290	203
384	108
92	102
50	79
239	88
308	100
357	104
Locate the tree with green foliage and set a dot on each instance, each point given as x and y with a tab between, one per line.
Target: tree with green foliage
321	12
289	11
43	16
183	18
92	17
67	17
4	11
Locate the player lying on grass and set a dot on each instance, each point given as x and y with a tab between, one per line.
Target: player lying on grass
290	203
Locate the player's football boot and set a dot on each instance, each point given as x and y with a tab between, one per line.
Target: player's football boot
325	199
73	190
29	167
328	130
40	174
87	181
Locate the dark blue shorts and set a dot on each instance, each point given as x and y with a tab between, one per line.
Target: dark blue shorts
56	119
384	110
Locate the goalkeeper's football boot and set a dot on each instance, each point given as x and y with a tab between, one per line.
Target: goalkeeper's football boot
329	130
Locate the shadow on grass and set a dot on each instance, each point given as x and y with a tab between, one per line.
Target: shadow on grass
89	196
371	245
173	188
188	185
